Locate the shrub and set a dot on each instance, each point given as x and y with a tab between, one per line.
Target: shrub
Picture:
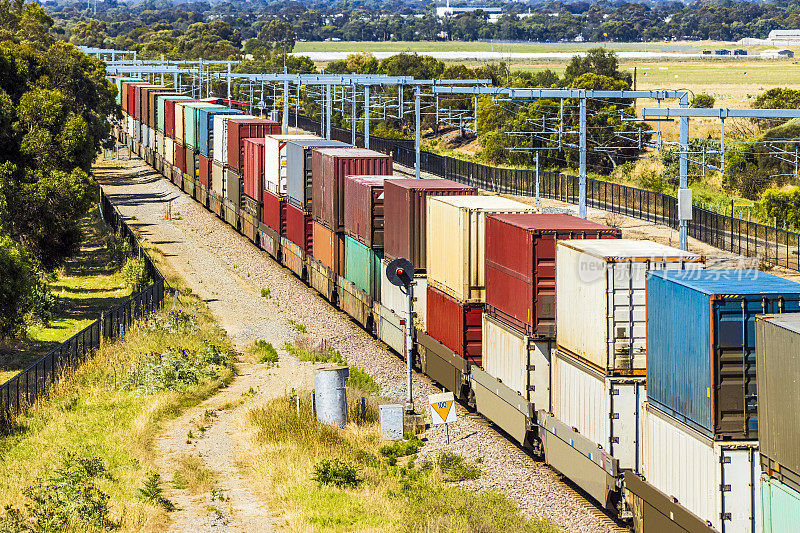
703	100
340	474
134	273
152	493
67	499
327	355
265	352
176	369
453	467
174	323
400	448
360	380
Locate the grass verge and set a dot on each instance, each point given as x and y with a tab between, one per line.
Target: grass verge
324	479
110	410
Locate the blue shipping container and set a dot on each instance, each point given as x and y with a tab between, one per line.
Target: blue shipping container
701	361
205	136
780	506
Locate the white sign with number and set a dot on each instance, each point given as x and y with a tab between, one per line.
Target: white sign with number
443	409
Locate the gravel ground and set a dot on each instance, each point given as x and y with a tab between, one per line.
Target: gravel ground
227	271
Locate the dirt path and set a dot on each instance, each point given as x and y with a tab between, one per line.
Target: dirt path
229	273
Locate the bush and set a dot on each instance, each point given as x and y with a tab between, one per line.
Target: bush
453	467
265	352
703	100
67	499
134	273
400	448
176	369
327	355
360	380
152	493
173	323
340	474
18	295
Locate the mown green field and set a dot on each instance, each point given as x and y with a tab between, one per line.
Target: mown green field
451	46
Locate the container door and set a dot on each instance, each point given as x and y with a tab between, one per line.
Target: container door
307	177
625	401
740	510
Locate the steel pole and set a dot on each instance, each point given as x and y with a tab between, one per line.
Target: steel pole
409	349
366	116
285	121
328	105
683	181
582	159
353	120
418	134
722	146
538	199
229	82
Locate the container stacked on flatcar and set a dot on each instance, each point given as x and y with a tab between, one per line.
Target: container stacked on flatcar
701	421
456	292
206	176
519	328
273	190
591	433
778	382
330	167
298	243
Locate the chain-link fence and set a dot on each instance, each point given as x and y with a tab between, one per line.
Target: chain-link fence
771	245
24	389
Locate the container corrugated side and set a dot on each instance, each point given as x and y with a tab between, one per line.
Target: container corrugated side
362	266
518	361
275	162
606	410
520	266
709	335
299	177
606	279
780	506
405	215
206	131
162	111
457	325
396	301
328	248
242	128
708	478
456	242
299	228
220	140
169	150
254	168
364	209
191	122
778	377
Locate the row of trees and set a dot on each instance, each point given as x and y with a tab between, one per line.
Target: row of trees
220	30
54	102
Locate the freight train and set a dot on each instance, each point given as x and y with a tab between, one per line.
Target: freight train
628	365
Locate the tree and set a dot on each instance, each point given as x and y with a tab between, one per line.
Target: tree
596	61
19	288
703	100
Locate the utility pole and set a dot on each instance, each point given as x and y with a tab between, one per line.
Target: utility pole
582	158
366	115
418	128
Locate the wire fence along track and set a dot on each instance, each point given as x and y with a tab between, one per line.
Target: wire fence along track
31	384
742	237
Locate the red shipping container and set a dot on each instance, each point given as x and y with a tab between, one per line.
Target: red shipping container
204	173
152	104
131	107
244	128
363	213
139	96
521	266
180	157
147	91
299	228
275	212
457	325
169	116
405	215
253	171
329	166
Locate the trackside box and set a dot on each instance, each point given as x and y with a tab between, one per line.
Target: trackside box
701	330
521	266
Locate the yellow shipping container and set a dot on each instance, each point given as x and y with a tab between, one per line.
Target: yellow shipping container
456	242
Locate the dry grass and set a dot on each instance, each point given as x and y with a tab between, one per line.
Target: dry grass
193	476
284	447
88	413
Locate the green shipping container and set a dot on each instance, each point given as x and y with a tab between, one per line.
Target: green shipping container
780	506
191	122
362	266
161	110
118	82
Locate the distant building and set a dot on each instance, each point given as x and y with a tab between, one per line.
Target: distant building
447	11
784	36
722	52
740	52
777	54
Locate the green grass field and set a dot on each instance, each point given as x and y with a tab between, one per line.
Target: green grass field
450	46
89	283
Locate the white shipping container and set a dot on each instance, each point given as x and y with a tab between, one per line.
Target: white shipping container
518	361
397	301
275	160
605	410
220	136
169	150
179	122
129	124
456	242
716	480
601	313
160	143
218	178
